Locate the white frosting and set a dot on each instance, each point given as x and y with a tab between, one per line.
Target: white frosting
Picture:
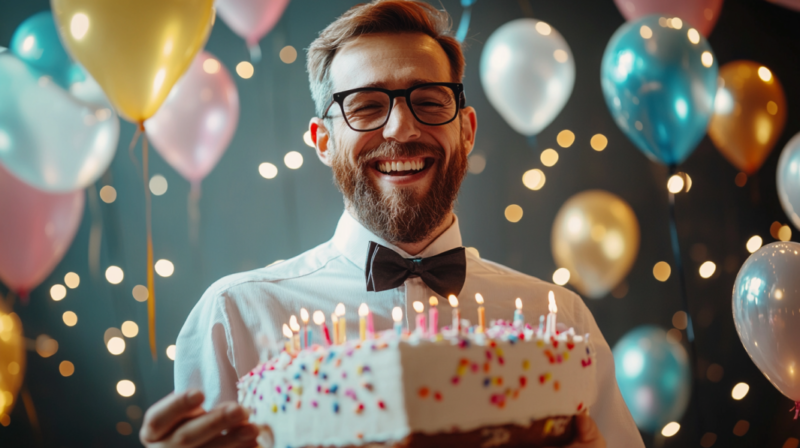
424	386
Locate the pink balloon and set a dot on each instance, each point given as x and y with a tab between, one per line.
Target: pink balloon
251	19
701	14
195	124
36	230
791	4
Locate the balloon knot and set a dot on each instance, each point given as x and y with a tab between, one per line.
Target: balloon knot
796	409
141	126
22	293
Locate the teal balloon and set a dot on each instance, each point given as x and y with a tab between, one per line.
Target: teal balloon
36	43
653	376
659	83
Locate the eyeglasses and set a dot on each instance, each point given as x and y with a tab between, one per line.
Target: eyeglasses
368	108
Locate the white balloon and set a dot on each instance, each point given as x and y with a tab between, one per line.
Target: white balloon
528	72
788	180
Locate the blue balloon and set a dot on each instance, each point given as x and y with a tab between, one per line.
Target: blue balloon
659	78
36	43
653	376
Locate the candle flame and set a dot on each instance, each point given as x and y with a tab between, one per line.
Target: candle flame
334	318
479	298
286	331
319	317
552	299
397	313
304	315
293	323
363	310
418	307
433	301
453	300
339	309
518	303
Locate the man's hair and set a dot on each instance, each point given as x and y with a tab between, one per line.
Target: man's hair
378	16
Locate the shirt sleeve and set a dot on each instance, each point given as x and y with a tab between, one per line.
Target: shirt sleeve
609	411
204	354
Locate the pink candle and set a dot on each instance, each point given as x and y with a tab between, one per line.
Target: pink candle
319	319
433	316
419	308
370	326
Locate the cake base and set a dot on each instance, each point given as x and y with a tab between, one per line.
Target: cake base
548	432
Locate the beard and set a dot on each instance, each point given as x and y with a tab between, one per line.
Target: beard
402	215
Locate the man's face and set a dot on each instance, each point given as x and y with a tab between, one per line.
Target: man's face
407	205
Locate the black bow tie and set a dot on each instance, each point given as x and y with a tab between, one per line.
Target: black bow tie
444	273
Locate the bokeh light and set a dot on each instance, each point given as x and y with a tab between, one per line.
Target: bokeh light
164	267
126	388
693	35
549	157
114	275
124	428
293	160
533	179
245	70
70	319
785	233
598	142
116	345
307	139
679	320
288	54
158	185
561	276
661	271
513	213
741	427
707	59
670	429
740	391
740	180
543	28
267	170
754	243
46	346
140	293
66	368
764	74
58	292
108	194
171	352
72	280
129	329
565	138
645	32
708	440
707	269
477	163
715	372
675	184
210	66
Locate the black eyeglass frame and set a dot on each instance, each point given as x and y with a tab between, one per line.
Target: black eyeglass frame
456	87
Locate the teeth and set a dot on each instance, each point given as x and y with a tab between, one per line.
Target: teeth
412	165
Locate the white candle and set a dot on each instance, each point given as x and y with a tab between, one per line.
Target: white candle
550	328
519	319
481	313
433	316
419	308
397	317
456	313
295	327
287	332
304	318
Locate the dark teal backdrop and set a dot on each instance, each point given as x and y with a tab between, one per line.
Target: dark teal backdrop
248	221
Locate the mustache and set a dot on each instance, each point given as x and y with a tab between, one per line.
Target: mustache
394	149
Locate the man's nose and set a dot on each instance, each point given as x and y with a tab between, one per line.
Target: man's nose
402	126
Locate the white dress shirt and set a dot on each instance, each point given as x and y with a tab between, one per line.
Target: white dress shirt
240	317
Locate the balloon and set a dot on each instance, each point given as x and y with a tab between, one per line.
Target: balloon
766	296
596	237
701	14
49	138
37	44
251	19
791	4
197	121
35	232
135	49
527	71
659	86
653	377
749	114
12	359
788	179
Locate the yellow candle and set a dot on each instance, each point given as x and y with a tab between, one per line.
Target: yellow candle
335	325
304	318
363	310
342	323
481	313
290	336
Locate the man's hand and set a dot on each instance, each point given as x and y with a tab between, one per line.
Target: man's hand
179	421
588	436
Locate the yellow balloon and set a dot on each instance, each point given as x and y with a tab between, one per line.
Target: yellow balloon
12	360
135	49
596	237
749	114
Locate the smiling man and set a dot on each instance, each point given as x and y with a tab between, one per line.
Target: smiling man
394	126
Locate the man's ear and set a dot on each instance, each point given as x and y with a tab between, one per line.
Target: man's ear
469	126
321	138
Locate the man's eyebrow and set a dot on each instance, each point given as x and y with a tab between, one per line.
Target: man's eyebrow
413	82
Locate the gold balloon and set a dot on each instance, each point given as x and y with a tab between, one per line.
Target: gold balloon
596	236
749	114
135	49
12	360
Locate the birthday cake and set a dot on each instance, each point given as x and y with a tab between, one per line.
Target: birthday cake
507	384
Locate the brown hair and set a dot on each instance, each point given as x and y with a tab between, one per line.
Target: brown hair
378	16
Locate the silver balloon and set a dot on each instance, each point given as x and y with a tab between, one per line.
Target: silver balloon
528	72
766	312
788	180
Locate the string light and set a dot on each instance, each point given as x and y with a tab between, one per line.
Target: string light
598	142
670	429
661	271
560	56
543	28
245	70
707	269
66	368
785	233
164	267
565	138
740	391
693	35
561	276
70	319
754	243
533	179
72	280
293	160
676	23
513	213
108	194
764	74
645	32
116	345
210	66
707	59
114	275
288	54
171	352
267	170
675	184
307	139
126	388
129	329
140	293
158	185
45	347
58	292
549	157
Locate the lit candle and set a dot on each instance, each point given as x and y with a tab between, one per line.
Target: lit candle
481	313
342	323
456	313
287	332
295	327
550	329
304	318
363	311
433	316
519	319
319	319
419	308
397	317
335	325
370	326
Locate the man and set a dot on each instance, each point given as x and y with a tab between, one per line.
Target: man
393	125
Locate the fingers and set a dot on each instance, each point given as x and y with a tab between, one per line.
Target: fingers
161	418
202	429
241	437
587	433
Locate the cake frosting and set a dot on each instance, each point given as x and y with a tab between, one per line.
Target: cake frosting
397	387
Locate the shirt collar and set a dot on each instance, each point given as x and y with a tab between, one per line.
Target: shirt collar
352	239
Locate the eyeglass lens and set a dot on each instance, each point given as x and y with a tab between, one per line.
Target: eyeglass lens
432	105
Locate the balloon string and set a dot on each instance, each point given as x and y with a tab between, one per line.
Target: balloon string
255	53
132	146
194	212
463	26
151	291
527	9
96	232
31	411
676	252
